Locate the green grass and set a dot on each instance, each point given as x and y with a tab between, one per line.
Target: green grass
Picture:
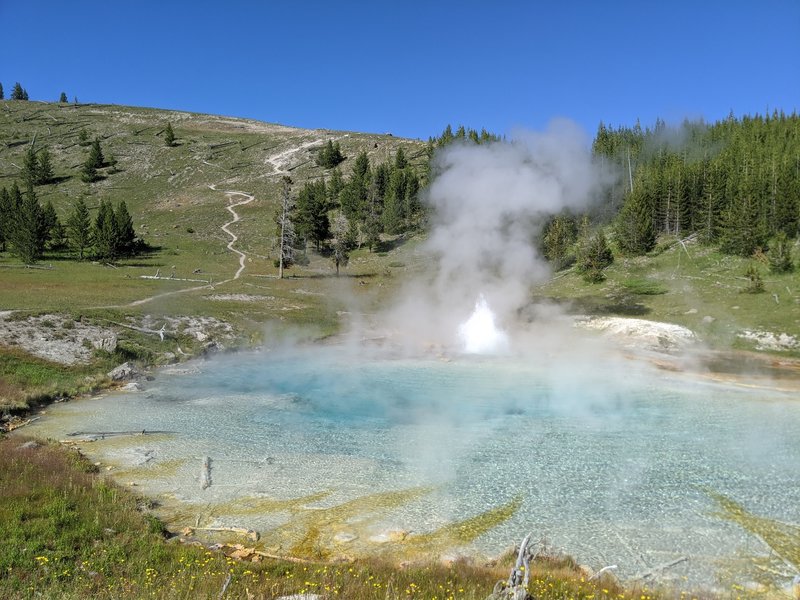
69	533
26	379
695	286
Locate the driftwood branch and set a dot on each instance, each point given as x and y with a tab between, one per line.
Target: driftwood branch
603	570
205	473
249	533
225	586
660	568
160	332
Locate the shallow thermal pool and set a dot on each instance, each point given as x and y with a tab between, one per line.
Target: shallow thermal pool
611	461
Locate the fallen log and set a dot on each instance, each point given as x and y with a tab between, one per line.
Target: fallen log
205	473
249	533
660	568
13	426
104	434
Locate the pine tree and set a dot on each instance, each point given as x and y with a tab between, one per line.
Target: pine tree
330	155
780	254
169	135
126	236
89	171
96	157
311	213
634	229
412	193
28	228
394	205
344	240
50	223
79	228
44	170
24	94
334	187
559	235
2	95
105	232
30	167
5	216
594	255
18	93
63	98
400	161
83	138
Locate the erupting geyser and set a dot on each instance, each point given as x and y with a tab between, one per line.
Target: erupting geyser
479	334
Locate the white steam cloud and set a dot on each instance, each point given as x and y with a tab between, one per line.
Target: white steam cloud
489	203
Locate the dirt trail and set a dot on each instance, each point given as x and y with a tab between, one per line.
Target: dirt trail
234	238
280	161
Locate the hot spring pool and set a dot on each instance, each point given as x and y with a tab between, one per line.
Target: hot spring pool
615	463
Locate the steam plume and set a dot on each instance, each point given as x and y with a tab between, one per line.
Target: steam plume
489	202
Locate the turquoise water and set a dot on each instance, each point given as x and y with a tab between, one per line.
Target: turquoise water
611	459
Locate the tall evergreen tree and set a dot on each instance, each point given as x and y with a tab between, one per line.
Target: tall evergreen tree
51	223
634	229
311	213
96	157
330	155
400	161
63	98
105	232
126	236
394	205
334	187
79	228
30	167
1	92
5	216
169	135
89	171
559	235
44	169
593	255
17	93
28	229
344	240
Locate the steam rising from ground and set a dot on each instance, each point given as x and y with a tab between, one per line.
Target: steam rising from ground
489	202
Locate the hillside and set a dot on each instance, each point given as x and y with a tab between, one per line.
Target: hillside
220	171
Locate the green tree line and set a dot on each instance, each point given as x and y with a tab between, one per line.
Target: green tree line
735	183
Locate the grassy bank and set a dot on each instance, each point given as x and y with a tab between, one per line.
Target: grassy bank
69	533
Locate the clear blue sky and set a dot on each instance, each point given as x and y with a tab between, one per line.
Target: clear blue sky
412	67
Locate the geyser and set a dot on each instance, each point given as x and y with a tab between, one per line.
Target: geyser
479	334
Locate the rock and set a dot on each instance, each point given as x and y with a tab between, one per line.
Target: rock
242	553
640	333
29	445
107	343
212	347
168	357
131	387
344	538
201	336
125	371
708	319
691	311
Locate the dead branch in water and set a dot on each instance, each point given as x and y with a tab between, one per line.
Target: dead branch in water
660	568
